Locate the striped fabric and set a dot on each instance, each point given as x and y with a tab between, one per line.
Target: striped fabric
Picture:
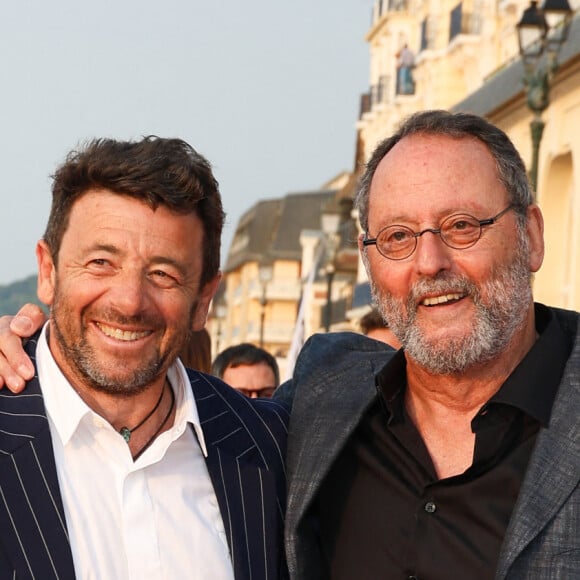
246	440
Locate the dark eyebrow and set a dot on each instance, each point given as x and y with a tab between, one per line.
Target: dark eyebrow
155	260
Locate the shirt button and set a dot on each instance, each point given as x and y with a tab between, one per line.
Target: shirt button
430	507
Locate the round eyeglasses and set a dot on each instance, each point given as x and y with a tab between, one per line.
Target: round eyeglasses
459	231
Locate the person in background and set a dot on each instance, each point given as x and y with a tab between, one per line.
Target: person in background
249	369
405	65
117	461
373	325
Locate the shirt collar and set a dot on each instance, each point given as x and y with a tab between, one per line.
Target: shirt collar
391	382
185	401
66	409
533	384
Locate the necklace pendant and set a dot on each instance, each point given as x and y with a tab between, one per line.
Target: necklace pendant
126	434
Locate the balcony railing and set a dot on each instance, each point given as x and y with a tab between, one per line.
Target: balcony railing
383	7
398	5
279	289
461	22
365	104
380	91
273	333
428	33
378	94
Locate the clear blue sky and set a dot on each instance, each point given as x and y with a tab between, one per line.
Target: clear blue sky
268	90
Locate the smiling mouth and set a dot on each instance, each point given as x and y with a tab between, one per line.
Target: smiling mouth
443	299
124	335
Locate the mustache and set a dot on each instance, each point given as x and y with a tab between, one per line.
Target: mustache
443	283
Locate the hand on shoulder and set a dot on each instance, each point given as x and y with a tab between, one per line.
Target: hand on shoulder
15	366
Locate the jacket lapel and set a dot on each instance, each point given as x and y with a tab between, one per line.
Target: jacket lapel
328	403
34	536
552	473
317	431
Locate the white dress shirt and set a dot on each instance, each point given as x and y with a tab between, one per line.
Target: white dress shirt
156	517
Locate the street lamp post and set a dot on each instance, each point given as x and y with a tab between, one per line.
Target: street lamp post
265	272
330	221
541	33
330	270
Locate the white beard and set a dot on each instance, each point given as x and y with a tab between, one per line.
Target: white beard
501	306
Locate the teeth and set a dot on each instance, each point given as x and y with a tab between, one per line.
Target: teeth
119	334
441	299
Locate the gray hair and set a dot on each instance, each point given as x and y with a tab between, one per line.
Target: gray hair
510	167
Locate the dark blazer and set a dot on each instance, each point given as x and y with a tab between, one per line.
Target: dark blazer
246	443
334	384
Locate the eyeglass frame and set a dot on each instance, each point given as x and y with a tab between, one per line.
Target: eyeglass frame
261	393
416	235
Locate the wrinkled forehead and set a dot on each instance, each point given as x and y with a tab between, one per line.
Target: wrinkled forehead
434	175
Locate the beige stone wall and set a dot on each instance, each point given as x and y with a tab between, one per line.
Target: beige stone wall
242	296
558	281
447	72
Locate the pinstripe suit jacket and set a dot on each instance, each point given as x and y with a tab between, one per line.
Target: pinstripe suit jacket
332	387
246	442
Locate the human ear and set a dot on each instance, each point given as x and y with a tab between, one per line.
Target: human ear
535	231
203	302
46	273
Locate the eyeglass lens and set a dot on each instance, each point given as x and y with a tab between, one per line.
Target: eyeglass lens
457	231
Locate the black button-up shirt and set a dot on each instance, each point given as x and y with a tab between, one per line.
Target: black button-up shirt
383	513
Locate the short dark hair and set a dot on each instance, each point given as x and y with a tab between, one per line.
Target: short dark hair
244	354
157	171
372	320
510	166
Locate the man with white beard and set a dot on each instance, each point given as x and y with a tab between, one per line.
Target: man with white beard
457	456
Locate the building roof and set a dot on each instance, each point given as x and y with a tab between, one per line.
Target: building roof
300	211
271	228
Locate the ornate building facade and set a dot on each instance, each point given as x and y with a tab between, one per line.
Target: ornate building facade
467	59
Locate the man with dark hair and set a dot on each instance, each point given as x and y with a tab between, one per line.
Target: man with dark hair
251	370
373	325
117	462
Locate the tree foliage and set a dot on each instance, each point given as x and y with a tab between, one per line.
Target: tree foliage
13	296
